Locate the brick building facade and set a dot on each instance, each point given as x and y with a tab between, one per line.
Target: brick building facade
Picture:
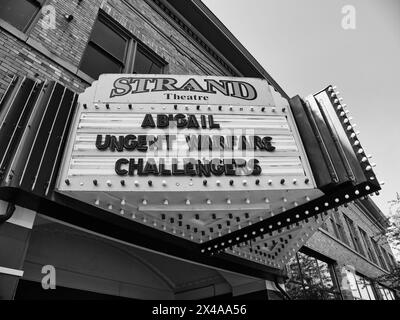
58	40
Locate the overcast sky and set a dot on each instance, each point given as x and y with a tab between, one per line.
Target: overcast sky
302	45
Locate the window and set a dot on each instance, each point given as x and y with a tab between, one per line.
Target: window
353	235
379	255
20	13
367	245
311	278
144	63
339	229
361	287
386	294
111	50
106	51
387	259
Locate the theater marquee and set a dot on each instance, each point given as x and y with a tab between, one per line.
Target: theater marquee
213	160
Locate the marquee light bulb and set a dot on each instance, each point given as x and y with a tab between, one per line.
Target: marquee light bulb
144	202
166	202
266	200
122	211
110	207
228	201
187	202
247	200
97	202
123	202
208	201
108	183
136	183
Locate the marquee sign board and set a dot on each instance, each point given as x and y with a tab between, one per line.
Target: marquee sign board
241	173
200	156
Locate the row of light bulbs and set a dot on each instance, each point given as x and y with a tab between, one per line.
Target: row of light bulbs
218	183
341	108
198	107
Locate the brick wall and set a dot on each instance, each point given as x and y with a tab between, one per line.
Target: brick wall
328	245
16	57
56	53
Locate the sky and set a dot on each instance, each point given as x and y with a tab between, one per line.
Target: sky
303	46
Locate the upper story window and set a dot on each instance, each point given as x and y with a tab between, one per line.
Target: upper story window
387	259
145	63
111	50
367	245
338	228
353	235
20	13
379	255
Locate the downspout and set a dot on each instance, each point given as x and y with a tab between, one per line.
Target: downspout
9	212
283	292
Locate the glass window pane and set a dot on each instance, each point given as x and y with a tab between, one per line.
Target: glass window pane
144	64
370	290
309	269
353	285
389	294
293	270
95	63
362	288
326	275
109	40
155	69
296	291
18	12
